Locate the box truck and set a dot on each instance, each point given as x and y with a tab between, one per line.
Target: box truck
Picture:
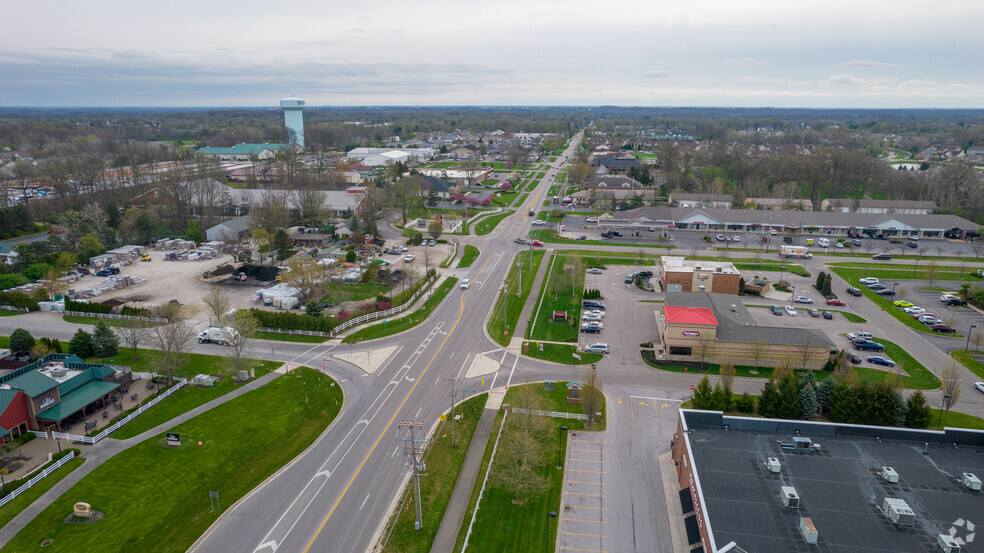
794	251
224	336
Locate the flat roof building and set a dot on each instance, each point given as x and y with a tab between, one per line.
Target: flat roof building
770	485
681	275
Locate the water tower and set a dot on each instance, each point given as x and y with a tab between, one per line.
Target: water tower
294	119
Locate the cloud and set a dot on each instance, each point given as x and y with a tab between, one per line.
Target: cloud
918	83
845	79
749	61
868	64
656	75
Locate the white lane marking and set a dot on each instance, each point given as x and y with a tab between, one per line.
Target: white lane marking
503	360
364	501
271	544
492	387
508	382
463	363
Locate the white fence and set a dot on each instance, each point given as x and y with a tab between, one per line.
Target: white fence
36	478
91	440
554	414
296	332
381	314
115	316
12	308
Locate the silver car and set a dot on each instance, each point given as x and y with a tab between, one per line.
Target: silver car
597	347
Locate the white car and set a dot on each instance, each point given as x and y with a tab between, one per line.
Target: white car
593	324
720	238
594	271
803	299
914	309
409	258
736	238
979	386
773	232
591	220
597	347
592	316
838	244
929	320
948	297
868	281
790	310
539	222
465	283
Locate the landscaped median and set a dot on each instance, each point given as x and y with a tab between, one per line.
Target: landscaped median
502	523
165	507
389	328
560	353
505	313
550	236
443	466
488	224
968	360
852	276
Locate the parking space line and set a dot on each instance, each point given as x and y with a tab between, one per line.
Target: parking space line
592	471
588	535
587	441
585	494
585	520
587	460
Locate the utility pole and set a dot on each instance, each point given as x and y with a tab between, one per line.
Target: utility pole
452	380
505	300
413	455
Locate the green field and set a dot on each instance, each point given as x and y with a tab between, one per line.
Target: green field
561	292
282	337
513	305
904	272
18	504
558	353
157	513
489	223
954	419
403	323
550	236
467	258
339	292
967	360
769	266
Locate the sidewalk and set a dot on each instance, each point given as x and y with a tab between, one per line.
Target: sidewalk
447	532
532	302
109	447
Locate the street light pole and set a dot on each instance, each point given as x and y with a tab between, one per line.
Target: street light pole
967	345
940	421
893	289
560	447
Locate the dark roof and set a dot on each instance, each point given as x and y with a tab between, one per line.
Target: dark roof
612	181
703	197
612	162
840	489
437	184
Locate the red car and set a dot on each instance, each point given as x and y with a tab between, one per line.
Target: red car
537	243
835	302
940	327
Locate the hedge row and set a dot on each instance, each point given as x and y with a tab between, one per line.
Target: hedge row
22	300
292	321
85	307
134	311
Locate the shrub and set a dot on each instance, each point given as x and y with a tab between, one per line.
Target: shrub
12	280
384	305
22	300
343	315
81	344
21	341
285	320
745	403
84	307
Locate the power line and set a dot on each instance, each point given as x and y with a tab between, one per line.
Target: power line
414	447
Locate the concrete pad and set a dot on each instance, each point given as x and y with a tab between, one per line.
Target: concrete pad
674	510
495	398
369	363
482	366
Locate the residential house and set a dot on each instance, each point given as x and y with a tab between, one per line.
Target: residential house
770	204
437	186
247	151
612	181
976	153
602	195
465	151
613	164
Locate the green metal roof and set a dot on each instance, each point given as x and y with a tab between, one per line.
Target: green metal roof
79	398
94	372
33	383
3	432
6	396
243	149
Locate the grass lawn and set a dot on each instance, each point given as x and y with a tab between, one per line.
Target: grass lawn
5	313
513	304
904	272
919	377
399	325
561	176
489	223
967	360
278	421
562	354
767	266
501	524
443	466
550	236
93	320
934	289
467	258
560	293
12	509
281	337
194	363
954	419
852	276
851	317
339	292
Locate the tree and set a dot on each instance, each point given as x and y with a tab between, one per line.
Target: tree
171	338
769	402
435	229
281	243
218	303
307	275
702	394
313	309
704	346
522	446
821	277
81	344
105	344
930	272
950	376
578	174
271	212
823	389
246	324
789	397
808	401
826	291
727	374
21	341
917	414
591	394
131	333
406	196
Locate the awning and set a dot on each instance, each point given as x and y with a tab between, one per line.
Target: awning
77	399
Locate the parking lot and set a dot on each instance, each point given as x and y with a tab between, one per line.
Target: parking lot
628	322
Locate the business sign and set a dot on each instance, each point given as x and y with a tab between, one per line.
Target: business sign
702	276
691	333
173	438
47	402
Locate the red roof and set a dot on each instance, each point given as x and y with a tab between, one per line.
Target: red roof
689	315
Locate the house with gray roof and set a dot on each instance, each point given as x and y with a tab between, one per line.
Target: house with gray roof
849	205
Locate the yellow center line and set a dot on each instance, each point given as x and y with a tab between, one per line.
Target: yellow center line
576	507
588	535
584	520
587	441
393	418
591	471
586	450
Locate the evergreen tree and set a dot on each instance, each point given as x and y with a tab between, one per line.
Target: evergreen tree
21	341
745	403
105	343
821	278
808	401
823	390
719	399
789	398
826	287
702	395
81	344
901	408
917	414
281	243
313	309
841	404
769	402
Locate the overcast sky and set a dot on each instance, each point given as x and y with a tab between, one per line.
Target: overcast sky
792	53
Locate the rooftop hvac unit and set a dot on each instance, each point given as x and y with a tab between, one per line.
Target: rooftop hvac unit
697	267
947	543
898	512
889	474
790	499
718	269
802	444
773	464
58	372
808	530
971	481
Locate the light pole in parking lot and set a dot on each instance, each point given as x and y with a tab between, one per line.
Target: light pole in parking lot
940	420
969	332
914	267
893	289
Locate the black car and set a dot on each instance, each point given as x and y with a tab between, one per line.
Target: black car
591	329
582	237
776	310
881	257
828	315
886	292
854	291
629	279
109	271
854	358
606	234
591	304
956	302
616	233
645	274
877	286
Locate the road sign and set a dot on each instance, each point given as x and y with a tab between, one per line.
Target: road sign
443	418
576	356
368	351
691	387
324	365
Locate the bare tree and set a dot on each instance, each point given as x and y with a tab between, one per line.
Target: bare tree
976	337
522	446
727	374
950	377
271	212
246	324
171	338
131	333
310	202
705	344
307	275
218	303
930	272
591	394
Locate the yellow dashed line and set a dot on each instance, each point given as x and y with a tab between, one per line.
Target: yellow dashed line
583	482
588	535
591	471
582	520
584	494
587	460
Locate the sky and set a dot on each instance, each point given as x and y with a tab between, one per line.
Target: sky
754	53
